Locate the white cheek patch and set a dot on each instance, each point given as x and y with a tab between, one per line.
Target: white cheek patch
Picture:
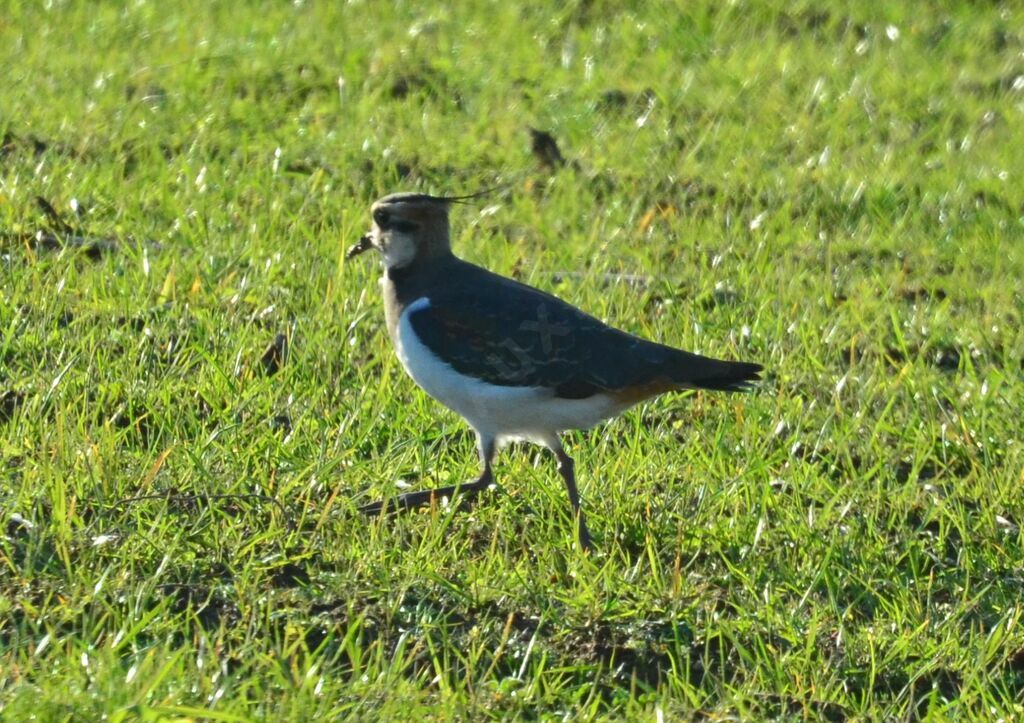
399	250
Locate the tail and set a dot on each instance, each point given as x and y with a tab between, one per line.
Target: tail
692	371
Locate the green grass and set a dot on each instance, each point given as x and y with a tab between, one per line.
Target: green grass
830	189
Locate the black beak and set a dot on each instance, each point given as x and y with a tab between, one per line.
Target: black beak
363	244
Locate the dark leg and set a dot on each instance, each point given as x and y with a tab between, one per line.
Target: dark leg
567	469
467	490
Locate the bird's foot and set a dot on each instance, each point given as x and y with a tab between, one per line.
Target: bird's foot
467	494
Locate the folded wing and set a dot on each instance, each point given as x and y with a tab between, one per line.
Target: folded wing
524	337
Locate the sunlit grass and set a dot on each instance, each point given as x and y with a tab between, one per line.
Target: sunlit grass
828	189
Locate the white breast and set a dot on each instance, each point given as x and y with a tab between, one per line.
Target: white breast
495	411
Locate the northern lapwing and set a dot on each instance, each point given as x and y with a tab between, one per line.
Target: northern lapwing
514	361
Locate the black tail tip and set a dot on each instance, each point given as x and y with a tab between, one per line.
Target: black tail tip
738	377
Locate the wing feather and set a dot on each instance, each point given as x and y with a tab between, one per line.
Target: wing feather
521	336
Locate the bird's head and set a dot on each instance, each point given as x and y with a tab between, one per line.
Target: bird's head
407	227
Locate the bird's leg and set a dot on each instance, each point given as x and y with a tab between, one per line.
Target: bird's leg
567	468
468	490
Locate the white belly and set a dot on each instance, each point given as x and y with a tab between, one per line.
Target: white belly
498	412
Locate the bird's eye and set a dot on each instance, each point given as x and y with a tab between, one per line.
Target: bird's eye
380	217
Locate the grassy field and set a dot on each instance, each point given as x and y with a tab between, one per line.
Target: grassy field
196	392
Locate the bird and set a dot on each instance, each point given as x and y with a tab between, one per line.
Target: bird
516	362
